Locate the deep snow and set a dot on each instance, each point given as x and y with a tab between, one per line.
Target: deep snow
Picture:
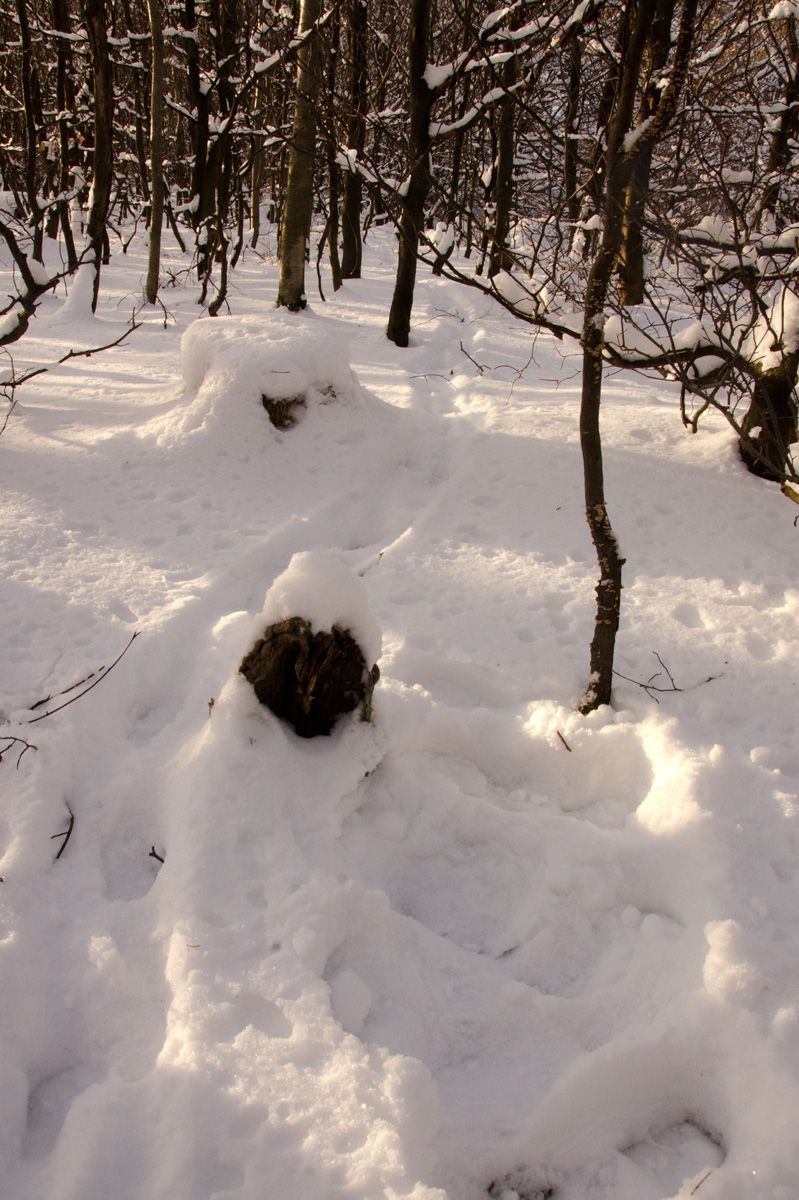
484	940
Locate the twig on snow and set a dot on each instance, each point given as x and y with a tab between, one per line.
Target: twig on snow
432	375
66	834
154	854
565	743
65	692
101	674
695	1189
16	741
480	368
650	687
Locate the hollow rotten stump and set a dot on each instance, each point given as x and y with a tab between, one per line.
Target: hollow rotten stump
309	678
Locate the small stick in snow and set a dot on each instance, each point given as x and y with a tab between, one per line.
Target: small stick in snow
666	669
432	375
16	741
101	675
565	743
707	1175
154	854
650	687
66	835
480	369
65	692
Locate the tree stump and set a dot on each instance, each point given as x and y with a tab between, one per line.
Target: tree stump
282	413
309	678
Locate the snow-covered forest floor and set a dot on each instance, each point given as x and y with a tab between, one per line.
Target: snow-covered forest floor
482	943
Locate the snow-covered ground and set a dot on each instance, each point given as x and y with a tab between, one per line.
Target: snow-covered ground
482	943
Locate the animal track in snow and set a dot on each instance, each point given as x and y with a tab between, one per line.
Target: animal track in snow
640	1117
248	1009
668	1157
48	1104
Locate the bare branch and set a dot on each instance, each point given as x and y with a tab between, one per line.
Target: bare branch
101	675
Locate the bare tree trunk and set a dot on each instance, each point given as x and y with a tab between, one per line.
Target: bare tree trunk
298	207
609	559
333	171
619	164
65	104
571	197
769	427
499	258
198	101
631	253
95	17
34	127
257	169
156	151
351	241
411	221
785	132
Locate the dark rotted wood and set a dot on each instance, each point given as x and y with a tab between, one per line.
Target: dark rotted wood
282	413
309	678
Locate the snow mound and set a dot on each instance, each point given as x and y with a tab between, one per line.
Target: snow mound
280	355
323	590
238	360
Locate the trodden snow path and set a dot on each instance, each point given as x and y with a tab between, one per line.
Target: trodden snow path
482	941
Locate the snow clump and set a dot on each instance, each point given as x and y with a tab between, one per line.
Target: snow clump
321	588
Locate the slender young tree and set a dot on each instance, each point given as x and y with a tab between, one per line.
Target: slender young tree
631	251
156	150
418	183
65	104
621	163
298	206
351	241
94	12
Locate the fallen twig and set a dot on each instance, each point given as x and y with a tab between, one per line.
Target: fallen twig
66	834
65	692
565	743
651	688
432	375
16	741
695	1189
480	368
101	674
154	854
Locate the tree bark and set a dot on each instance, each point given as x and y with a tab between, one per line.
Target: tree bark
609	558
65	101
351	241
570	195
94	12
769	428
781	207
418	185
198	101
298	207
632	274
619	164
156	151
333	170
34	127
500	258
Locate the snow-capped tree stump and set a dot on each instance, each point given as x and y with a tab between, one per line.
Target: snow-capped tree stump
309	678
